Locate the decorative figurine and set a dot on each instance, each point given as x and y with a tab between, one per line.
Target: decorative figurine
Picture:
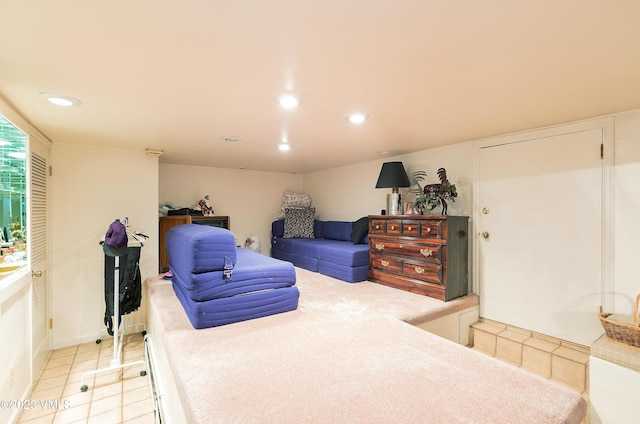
433	194
206	208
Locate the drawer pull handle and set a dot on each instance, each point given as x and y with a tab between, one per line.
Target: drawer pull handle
384	263
419	270
409	228
393	227
377	227
428	229
426	252
380	246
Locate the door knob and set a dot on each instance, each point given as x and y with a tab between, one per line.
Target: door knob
484	235
37	274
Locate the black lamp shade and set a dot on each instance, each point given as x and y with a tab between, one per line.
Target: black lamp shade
393	175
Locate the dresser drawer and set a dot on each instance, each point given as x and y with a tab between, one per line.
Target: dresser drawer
424	271
428	252
431	229
386	263
377	226
393	227
410	228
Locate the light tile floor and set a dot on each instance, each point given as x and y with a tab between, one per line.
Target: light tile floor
115	396
564	362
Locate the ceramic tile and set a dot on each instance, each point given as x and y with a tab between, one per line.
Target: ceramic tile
134	370
113	416
536	360
106	391
509	350
568	371
137	409
514	335
55	372
106	404
76	397
135	382
86	365
494	323
487	327
135	395
48	383
63	374
59	361
571	354
72	415
541	344
145	419
88	347
67	351
546	338
43	415
522	331
484	342
85	356
45	419
51	393
75	379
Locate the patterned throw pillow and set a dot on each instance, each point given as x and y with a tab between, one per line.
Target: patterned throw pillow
298	222
291	199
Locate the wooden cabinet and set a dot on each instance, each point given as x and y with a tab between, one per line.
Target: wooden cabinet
424	254
168	222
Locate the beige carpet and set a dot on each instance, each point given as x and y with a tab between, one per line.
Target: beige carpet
345	356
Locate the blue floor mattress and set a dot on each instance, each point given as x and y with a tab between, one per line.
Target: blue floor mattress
251	272
242	307
218	283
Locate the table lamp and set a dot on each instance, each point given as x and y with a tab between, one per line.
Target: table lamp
393	175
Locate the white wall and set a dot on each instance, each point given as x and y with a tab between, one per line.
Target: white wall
348	193
626	212
251	199
92	187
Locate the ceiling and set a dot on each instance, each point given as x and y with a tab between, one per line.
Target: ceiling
179	76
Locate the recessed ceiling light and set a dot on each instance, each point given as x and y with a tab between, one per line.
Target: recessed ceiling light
60	99
289	101
284	147
357	118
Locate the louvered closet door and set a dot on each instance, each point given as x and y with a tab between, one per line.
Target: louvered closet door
38	247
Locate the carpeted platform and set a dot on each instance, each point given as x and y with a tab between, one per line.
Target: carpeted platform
345	356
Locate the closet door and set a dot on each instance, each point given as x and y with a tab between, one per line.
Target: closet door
540	231
39	248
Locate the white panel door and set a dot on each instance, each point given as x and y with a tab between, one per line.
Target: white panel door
539	223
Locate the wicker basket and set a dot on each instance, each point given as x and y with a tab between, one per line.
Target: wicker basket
625	332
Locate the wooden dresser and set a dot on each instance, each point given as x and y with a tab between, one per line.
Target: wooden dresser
168	222
424	254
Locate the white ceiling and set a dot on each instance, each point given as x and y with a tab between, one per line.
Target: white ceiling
179	75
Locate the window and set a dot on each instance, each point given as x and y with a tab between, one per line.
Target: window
13	189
